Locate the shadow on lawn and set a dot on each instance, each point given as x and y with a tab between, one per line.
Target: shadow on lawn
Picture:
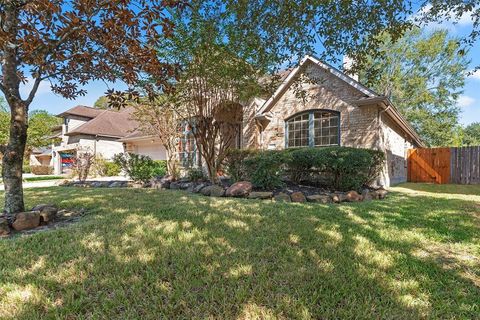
150	254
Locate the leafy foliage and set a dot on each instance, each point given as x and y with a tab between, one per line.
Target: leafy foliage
139	167
195	174
471	134
235	163
337	168
265	169
423	74
39	128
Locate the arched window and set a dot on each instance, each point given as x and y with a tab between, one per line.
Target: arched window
314	128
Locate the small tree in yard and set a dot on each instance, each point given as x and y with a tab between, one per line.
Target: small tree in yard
69	43
83	162
160	118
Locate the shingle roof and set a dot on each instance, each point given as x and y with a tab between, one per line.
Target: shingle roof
82	111
108	123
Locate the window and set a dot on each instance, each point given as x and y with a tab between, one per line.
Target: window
187	148
314	128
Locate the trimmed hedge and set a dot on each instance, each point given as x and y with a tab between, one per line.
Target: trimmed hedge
337	168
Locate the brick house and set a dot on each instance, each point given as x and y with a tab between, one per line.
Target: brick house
338	110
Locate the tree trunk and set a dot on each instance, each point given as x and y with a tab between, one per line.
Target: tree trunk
12	161
13	152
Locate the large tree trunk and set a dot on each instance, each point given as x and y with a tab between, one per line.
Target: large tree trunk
12	161
13	152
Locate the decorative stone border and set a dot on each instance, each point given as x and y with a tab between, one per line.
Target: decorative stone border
39	218
241	189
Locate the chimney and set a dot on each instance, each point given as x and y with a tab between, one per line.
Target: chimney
347	67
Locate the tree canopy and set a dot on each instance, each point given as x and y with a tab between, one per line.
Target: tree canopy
39	129
471	134
423	74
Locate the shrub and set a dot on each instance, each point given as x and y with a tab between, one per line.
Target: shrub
265	169
340	168
139	167
26	168
195	174
159	168
41	170
112	169
235	163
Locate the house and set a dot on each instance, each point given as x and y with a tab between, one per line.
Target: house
334	110
96	131
338	110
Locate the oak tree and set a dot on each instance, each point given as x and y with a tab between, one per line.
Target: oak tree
69	43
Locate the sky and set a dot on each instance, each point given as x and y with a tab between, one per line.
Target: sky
469	101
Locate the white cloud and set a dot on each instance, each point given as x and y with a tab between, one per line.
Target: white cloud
465	101
25	89
475	75
450	22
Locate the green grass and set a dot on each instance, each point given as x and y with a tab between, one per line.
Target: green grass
42	178
145	254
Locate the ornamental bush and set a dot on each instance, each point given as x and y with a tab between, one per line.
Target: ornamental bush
235	163
265	169
138	167
339	168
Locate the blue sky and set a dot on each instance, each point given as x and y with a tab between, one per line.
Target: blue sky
469	102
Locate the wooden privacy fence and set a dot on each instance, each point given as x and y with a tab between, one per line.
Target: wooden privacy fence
444	165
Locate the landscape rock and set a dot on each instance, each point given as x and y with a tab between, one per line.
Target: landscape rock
298	197
368	195
282	197
381	193
175	185
48	214
260	195
161	182
4	228
213	191
47	211
353	196
26	220
239	189
117	184
339	197
197	188
319	198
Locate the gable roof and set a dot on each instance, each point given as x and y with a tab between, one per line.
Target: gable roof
370	95
114	124
82	111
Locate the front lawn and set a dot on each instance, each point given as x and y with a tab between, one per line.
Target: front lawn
146	254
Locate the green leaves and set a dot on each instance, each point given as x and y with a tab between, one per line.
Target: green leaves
423	74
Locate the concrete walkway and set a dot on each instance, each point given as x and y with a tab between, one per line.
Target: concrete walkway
52	183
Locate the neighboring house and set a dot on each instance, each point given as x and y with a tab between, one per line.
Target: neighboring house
96	131
338	110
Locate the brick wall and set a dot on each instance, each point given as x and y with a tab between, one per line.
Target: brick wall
395	145
358	125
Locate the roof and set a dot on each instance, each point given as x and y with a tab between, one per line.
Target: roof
370	95
114	124
136	135
82	111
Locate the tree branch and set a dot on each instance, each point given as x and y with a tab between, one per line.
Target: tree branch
32	93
